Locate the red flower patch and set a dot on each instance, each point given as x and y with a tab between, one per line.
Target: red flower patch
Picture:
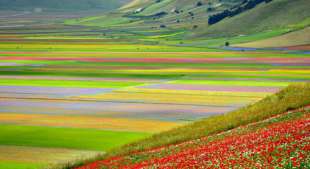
276	146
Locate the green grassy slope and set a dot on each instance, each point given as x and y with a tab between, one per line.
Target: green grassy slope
278	14
292	97
62	4
135	4
136	15
300	37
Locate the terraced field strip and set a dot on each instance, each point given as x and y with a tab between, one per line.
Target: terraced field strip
20	157
244	70
65	83
81	78
46	92
155	75
215	88
229	55
233	83
198	97
131	110
156	59
20	165
60	137
92	47
87	121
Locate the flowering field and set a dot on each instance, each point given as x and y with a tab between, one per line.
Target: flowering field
279	142
105	94
146	93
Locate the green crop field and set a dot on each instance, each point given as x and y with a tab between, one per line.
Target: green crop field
65	137
18	165
64	83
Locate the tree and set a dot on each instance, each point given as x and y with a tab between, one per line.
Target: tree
199	4
244	6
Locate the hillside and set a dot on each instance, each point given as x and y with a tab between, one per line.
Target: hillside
300	37
278	14
197	22
276	142
61	4
149	14
152	149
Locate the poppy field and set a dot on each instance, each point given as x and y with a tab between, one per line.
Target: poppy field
279	142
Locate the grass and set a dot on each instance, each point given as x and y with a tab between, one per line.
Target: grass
65	83
57	137
292	97
104	21
19	165
300	37
217	42
285	13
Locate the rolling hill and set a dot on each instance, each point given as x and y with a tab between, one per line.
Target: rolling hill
192	21
296	38
61	4
278	14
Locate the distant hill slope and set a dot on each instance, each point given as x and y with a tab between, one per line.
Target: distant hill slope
240	17
151	15
176	14
188	21
61	4
300	37
193	16
278	14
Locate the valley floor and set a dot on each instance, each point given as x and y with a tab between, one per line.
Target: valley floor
85	101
